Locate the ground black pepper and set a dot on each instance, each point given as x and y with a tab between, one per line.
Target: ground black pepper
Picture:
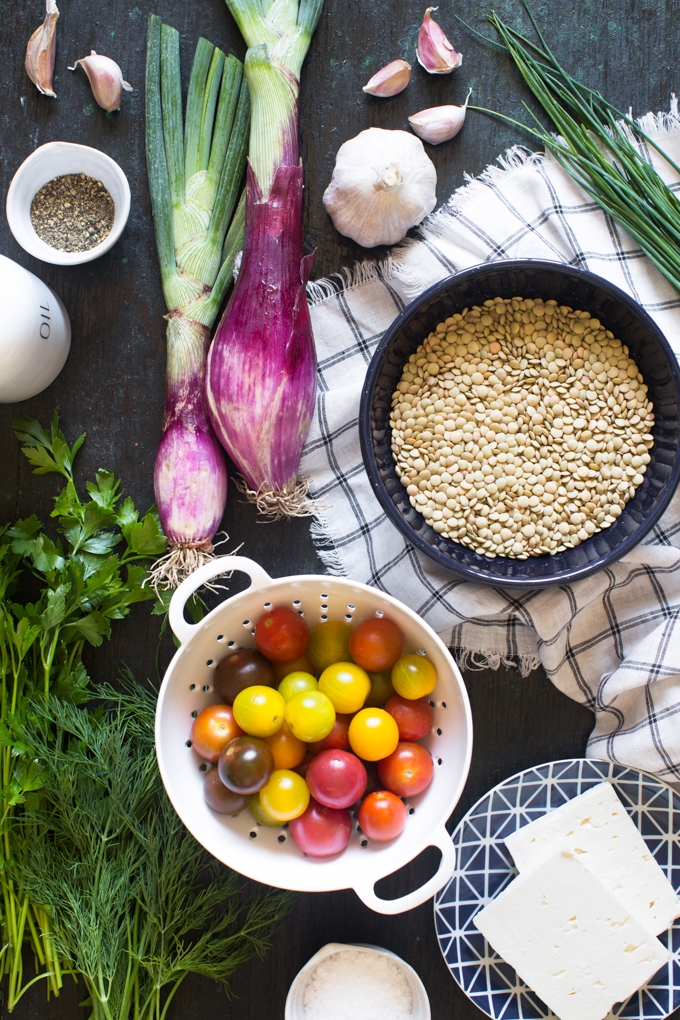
72	213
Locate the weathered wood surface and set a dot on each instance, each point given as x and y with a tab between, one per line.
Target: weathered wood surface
112	386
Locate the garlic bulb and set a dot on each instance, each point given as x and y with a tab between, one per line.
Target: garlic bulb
383	184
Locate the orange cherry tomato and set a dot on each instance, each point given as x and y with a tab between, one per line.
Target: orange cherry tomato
376	644
288	751
212	729
373	734
407	771
382	816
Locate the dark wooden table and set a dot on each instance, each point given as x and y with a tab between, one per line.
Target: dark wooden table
112	386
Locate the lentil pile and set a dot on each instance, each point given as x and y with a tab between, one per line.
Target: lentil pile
72	213
521	427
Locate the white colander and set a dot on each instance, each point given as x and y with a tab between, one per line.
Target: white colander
269	855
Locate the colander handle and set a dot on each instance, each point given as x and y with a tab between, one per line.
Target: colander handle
220	565
366	891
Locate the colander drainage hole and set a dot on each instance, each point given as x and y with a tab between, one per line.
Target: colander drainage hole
203	767
324	606
209	662
443	704
411	810
439	732
439	761
188	743
253	835
253	632
246	623
230	644
194	714
351	607
421	651
266	605
296	602
206	688
379	613
220	637
348	617
323	617
282	838
432	704
364	842
301	612
192	687
323	596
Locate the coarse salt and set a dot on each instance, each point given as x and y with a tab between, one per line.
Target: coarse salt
357	983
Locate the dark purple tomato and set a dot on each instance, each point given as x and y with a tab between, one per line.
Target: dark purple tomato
336	778
321	831
220	798
245	668
246	765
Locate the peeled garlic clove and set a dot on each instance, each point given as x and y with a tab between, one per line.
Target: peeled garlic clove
383	184
390	80
435	53
439	123
106	80
41	51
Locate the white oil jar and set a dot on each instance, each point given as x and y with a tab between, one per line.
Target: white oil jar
35	334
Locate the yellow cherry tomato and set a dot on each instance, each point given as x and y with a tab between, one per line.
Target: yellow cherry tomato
259	711
347	685
297	682
329	643
288	751
260	815
381	689
373	734
310	715
414	676
285	796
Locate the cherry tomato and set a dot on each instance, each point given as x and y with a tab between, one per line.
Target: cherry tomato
281	635
241	669
373	734
321	831
346	685
372	778
376	644
337	739
381	689
260	815
285	796
336	779
288	751
382	816
246	765
414	676
296	683
329	643
259	711
212	729
303	767
414	718
303	664
310	716
408	770
220	798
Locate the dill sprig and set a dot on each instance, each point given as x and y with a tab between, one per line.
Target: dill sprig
135	902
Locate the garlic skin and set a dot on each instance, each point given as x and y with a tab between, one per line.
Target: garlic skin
106	80
383	184
434	51
439	123
41	51
390	80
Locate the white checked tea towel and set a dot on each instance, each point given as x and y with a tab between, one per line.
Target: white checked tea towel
611	641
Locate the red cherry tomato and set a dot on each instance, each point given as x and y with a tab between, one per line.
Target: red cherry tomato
336	779
337	739
376	644
212	729
372	778
382	816
413	718
321	831
281	635
303	767
407	771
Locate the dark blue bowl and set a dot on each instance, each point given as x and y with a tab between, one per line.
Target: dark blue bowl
569	286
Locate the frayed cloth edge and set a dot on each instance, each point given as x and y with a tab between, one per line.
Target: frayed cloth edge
326	548
474	659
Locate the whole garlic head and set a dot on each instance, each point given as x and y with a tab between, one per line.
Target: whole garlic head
383	184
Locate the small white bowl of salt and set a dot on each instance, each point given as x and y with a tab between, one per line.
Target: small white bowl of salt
343	982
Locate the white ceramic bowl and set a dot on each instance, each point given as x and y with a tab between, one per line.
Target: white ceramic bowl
296	993
54	160
269	855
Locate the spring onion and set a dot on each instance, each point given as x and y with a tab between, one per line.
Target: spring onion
597	148
195	175
261	371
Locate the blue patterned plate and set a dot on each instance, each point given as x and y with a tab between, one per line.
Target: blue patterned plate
484	867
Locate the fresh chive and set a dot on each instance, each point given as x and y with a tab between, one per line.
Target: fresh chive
195	100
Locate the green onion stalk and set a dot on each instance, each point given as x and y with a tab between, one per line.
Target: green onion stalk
261	371
195	174
596	146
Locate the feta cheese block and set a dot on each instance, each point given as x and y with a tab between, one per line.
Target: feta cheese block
570	939
597	826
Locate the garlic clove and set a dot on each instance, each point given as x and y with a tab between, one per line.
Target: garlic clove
106	80
41	51
439	123
434	51
390	80
383	184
